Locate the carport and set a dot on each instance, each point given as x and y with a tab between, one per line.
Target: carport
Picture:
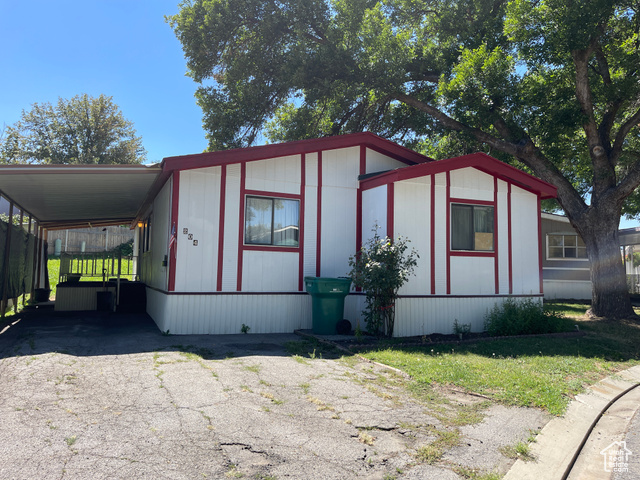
43	197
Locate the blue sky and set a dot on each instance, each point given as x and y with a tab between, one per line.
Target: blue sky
120	48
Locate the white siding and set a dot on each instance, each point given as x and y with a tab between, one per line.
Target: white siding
502	232
524	236
199	212
412	219
340	168
264	271
310	215
161	216
471	184
426	315
224	314
374	212
231	226
472	276
422	316
440	221
338	211
280	174
379	162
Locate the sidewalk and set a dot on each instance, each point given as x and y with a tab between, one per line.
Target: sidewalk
561	439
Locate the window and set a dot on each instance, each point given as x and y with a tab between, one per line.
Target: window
271	221
561	246
471	227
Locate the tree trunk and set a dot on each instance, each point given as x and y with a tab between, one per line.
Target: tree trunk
609	294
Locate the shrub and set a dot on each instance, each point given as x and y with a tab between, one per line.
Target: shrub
380	268
524	317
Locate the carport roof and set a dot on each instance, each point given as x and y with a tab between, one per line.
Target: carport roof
67	196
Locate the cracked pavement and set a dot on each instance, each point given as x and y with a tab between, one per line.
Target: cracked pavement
97	397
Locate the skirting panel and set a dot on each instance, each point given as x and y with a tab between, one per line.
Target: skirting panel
426	315
565	289
274	313
225	314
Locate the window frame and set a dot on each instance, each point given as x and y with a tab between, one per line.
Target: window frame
564	247
269	246
473	205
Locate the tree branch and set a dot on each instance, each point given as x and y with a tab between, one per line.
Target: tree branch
632	121
603	170
525	151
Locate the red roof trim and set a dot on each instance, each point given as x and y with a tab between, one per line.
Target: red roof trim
262	152
480	161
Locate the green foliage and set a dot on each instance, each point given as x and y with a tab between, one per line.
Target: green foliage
380	268
634	259
83	130
125	249
523	318
461	329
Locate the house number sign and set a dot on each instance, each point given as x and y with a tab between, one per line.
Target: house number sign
185	231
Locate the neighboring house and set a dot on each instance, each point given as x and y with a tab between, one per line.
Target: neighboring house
226	238
565	266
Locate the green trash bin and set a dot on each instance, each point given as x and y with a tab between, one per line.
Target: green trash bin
327	301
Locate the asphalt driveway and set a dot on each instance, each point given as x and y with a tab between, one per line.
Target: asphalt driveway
97	397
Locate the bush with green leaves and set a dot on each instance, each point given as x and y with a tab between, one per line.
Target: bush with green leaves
524	317
380	268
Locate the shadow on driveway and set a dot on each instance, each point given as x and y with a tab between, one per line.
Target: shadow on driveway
40	331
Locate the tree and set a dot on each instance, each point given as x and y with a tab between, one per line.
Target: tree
551	86
84	130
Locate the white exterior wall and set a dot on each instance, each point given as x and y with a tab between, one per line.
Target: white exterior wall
412	220
199	212
502	230
436	314
440	242
379	162
270	271
225	314
310	215
340	170
472	184
160	218
525	256
274	175
231	226
374	212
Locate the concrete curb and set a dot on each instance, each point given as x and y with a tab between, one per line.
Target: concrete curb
562	439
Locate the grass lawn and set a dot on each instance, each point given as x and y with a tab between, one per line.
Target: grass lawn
539	372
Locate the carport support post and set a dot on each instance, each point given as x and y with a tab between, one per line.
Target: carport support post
15	306
36	229
5	265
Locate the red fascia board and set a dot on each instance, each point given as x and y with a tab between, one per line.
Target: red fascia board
480	161
262	152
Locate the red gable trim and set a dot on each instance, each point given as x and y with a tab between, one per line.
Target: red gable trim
480	161
262	152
